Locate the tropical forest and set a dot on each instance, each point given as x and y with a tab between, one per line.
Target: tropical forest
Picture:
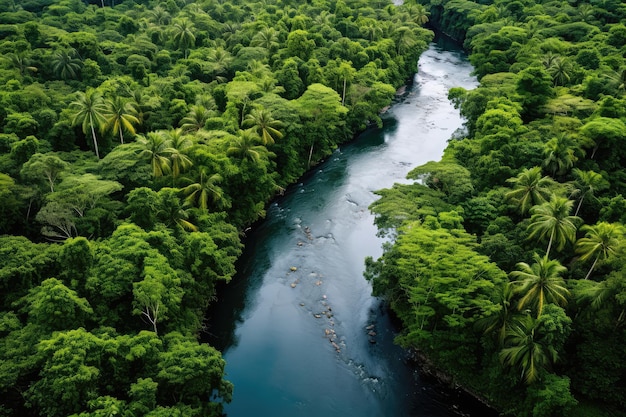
141	139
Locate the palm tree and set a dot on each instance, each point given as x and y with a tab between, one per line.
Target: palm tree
266	38
121	115
229	31
601	241
160	16
347	73
585	13
245	148
220	60
499	322
89	112
183	35
20	62
525	350
195	119
552	220
266	126
419	14
178	144
143	103
560	69
156	150
258	69
560	153
587	183
405	39
530	188
540	283
172	213
325	18
372	30
549	59
65	64
201	193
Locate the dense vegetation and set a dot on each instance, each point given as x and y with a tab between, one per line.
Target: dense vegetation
506	263
139	138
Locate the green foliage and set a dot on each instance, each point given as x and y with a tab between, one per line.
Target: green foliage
55	307
434	279
549	98
451	179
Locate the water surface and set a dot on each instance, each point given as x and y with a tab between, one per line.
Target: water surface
298	327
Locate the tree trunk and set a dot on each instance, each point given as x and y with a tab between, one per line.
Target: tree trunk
580	203
95	139
310	155
343	96
121	135
550	243
592	266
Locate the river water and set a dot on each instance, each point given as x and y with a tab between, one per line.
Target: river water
298	327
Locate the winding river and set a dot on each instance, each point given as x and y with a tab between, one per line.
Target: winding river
298	327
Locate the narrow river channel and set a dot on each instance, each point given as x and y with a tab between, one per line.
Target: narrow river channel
298	327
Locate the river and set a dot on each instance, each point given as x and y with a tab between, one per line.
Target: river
298	327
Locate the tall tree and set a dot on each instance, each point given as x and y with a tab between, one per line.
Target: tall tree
183	36
171	212
530	188
245	146
89	112
266	38
121	115
41	166
560	154
587	183
155	149
266	126
65	65
499	322
206	190
553	220
525	350
540	283
560	69
601	241
346	73
179	144
195	119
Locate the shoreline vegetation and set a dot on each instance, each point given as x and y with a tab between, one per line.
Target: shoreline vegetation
140	138
506	261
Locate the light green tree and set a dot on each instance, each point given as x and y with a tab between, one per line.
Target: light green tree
44	166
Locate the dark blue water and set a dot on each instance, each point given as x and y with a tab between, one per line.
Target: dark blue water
298	327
